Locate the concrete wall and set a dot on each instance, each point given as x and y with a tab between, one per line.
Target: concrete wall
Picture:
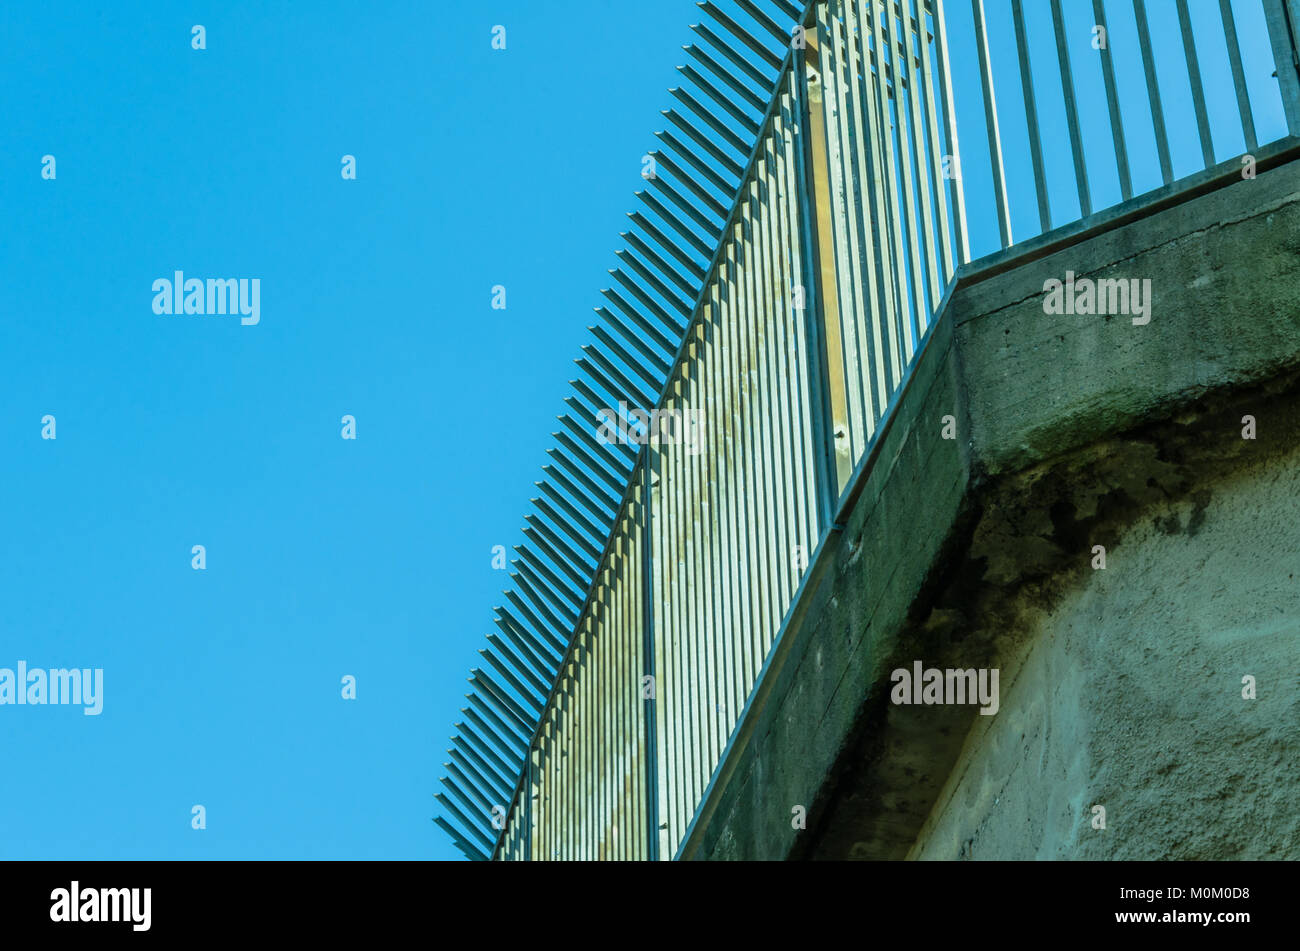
1127	691
1120	687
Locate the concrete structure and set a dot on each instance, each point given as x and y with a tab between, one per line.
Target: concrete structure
1120	687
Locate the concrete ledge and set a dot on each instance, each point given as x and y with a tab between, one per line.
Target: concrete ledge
953	550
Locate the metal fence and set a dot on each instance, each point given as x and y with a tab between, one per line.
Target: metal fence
815	209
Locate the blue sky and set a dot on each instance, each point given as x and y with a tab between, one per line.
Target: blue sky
325	557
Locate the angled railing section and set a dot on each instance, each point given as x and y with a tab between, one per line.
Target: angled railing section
692	178
805	217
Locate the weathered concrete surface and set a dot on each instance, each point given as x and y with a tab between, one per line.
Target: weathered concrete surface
1123	687
1119	687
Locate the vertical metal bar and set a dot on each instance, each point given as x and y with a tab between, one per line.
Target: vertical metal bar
821	227
906	240
991	123
778	410
880	264
1198	90
916	95
698	520
1112	103
844	142
753	464
895	210
688	663
931	98
1153	91
1031	117
1283	21
624	789
1238	75
750	389
957	190
720	495
665	773
773	489
709	456
1071	111
649	714
604	752
802	188
528	806
670	487
800	356
589	711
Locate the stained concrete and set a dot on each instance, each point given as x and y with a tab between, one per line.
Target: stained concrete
1120	687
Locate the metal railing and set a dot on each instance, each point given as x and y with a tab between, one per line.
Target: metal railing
833	204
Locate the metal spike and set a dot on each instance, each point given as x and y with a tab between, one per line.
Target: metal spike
462	843
722	99
624	455
465	757
526	695
766	83
639	397
706	223
468	803
765	21
572	557
543	604
548	645
550	586
608	501
690	156
537	659
600	464
563	525
704	142
690	288
656	335
484	746
460	816
695	188
658	364
702	56
672	247
675	223
796	14
740	33
501	728
571	510
493	691
454	773
480	713
712	121
654	379
649	303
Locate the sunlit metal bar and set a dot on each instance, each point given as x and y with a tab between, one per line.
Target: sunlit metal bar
1238	75
950	134
726	49
1112	104
722	99
1153	91
1071	111
724	76
740	33
1198	90
1283	20
1031	117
